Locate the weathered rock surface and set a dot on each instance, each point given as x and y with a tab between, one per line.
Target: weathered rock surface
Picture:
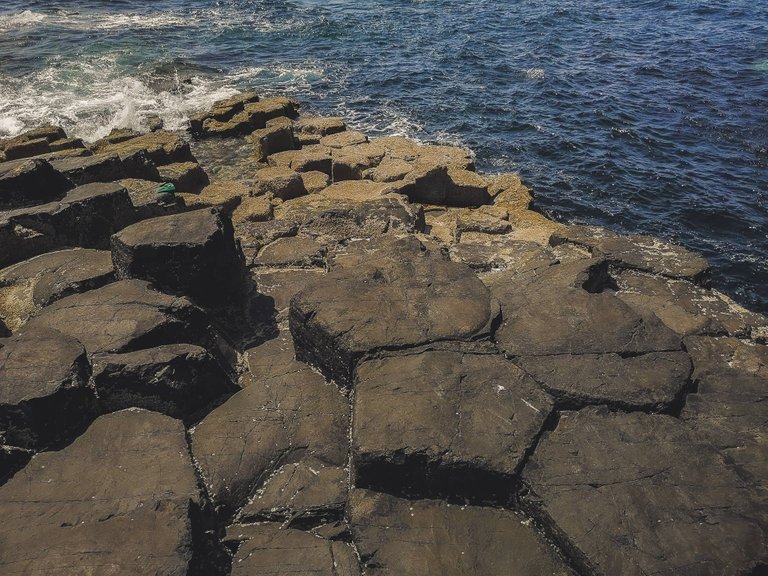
125	316
335	321
271	140
426	537
44	395
185	176
175	379
638	494
728	408
162	147
644	253
281	182
86	217
27	182
444	423
121	499
296	251
286	414
88	169
272	549
190	253
30	285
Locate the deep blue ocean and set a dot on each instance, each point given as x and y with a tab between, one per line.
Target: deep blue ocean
645	116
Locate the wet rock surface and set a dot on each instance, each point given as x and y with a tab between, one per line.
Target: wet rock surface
325	353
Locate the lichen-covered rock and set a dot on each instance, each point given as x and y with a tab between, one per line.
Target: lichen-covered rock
253	209
271	140
304	160
280	182
88	169
428	537
123	498
397	295
185	176
44	395
315	181
162	147
192	253
666	502
444	423
30	285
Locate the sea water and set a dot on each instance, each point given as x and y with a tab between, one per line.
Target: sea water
644	116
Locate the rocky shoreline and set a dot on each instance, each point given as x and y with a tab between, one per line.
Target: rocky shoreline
330	354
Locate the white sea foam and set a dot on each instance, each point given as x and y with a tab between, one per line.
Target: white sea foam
23	19
90	97
535	73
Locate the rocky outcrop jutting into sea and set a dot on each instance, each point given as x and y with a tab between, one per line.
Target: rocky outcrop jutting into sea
276	346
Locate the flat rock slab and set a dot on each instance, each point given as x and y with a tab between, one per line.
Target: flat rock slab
88	169
637	494
428	537
649	382
645	253
162	147
37	282
174	379
295	251
729	406
333	220
396	294
29	182
446	423
192	253
44	393
303	492
124	316
120	499
272	549
287	413
554	312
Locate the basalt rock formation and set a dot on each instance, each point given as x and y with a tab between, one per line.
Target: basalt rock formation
333	354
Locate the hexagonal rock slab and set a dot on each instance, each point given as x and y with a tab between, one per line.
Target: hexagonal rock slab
37	282
729	406
120	499
44	393
428	537
644	253
124	316
557	329
444	423
273	549
192	253
175	379
396	294
287	413
637	494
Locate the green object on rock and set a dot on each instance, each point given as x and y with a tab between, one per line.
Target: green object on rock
166	188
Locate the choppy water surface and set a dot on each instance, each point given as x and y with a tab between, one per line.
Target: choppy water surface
646	116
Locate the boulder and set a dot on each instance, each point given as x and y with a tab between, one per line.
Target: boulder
175	379
428	537
185	176
224	194
67	144
148	201
396	294
665	501
30	285
237	125
271	140
643	253
446	185
192	253
123	498
44	393
269	108
356	190
222	110
509	192
88	169
354	162
28	182
309	129
124	316
344	139
253	209
273	549
286	414
388	170
26	148
443	424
